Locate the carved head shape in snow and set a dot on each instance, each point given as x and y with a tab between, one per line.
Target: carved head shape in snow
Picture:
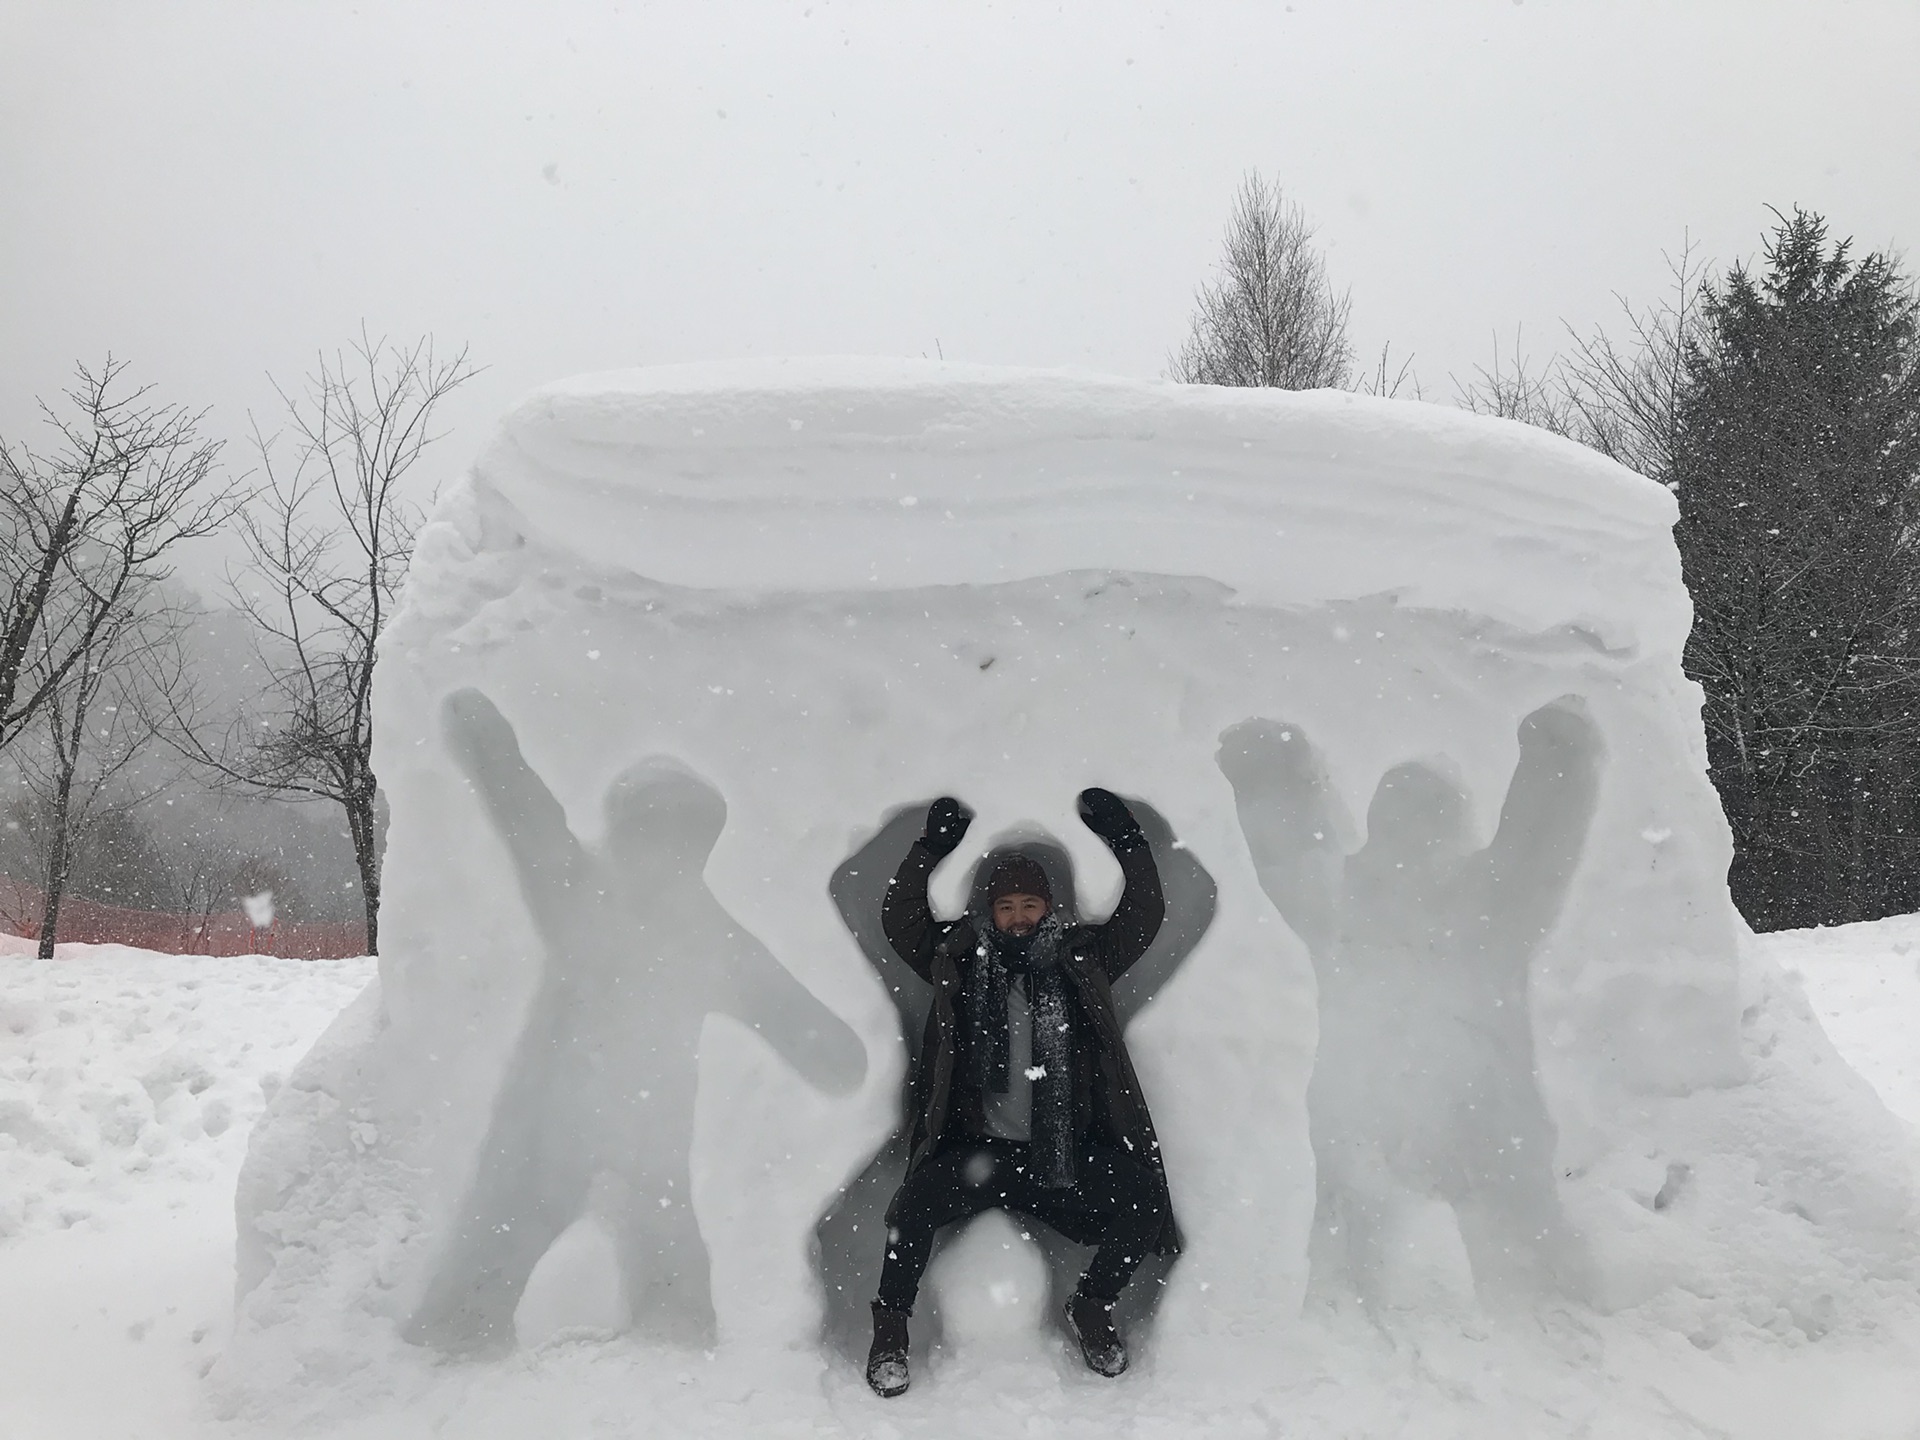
662	817
1418	816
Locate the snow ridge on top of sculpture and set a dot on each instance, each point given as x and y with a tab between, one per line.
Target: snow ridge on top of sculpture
817	474
1398	695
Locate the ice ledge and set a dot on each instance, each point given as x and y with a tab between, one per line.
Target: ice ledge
842	473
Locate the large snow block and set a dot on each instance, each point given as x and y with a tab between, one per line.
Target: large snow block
1396	689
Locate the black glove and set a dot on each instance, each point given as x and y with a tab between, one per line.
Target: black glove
1106	814
946	823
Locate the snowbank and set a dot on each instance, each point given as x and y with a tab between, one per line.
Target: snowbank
113	1320
1863	982
120	1070
1452	1017
128	1084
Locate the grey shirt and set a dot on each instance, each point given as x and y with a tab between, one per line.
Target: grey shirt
1010	1116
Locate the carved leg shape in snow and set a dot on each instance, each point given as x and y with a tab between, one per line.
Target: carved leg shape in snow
847	1251
637	953
1424	1083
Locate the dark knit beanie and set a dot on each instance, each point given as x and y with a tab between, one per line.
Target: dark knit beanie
1019	875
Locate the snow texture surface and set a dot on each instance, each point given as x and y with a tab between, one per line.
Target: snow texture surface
1451	1034
1863	982
129	1082
113	1320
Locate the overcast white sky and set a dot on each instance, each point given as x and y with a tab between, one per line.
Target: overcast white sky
215	190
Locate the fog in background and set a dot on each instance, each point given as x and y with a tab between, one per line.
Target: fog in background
217	190
192	847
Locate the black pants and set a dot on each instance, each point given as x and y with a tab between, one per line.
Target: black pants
1114	1203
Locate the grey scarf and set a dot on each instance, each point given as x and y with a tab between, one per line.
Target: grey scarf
984	1003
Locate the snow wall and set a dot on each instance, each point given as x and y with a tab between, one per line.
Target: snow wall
1450	1009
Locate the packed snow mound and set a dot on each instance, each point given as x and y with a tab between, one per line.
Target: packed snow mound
121	1070
1452	1011
1863	983
116	1315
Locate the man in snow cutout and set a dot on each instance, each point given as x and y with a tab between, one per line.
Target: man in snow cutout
1024	1097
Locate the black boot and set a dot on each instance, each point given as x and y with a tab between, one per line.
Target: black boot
887	1360
1090	1321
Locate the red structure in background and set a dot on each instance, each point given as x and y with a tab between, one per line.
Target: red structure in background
227	933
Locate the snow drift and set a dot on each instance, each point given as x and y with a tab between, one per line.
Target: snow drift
1451	1010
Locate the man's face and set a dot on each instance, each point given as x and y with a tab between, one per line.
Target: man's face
1018	914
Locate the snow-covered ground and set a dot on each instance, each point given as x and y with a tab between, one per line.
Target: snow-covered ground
1863	981
128	1082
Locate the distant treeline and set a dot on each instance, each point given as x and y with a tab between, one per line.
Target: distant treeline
1780	403
107	712
220	932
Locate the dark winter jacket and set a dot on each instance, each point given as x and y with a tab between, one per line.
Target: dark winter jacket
1108	1105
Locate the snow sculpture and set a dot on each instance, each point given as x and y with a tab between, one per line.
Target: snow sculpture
687	651
1419	937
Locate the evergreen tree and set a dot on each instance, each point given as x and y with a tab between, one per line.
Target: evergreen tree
1797	456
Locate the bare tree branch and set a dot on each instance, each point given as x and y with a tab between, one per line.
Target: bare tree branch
1629	393
1514	390
329	539
96	734
1388	381
91	524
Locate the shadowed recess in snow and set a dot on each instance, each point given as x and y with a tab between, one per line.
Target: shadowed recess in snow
593	1121
848	1241
1429	1132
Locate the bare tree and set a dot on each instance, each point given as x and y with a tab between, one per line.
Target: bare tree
205	867
88	525
329	538
1622	395
95	737
1388	380
1629	393
18	912
1272	318
199	880
1515	390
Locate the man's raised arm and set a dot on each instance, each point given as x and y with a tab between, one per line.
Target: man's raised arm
1136	920
905	917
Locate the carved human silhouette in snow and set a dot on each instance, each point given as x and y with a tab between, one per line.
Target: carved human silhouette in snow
597	1104
1424	1084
